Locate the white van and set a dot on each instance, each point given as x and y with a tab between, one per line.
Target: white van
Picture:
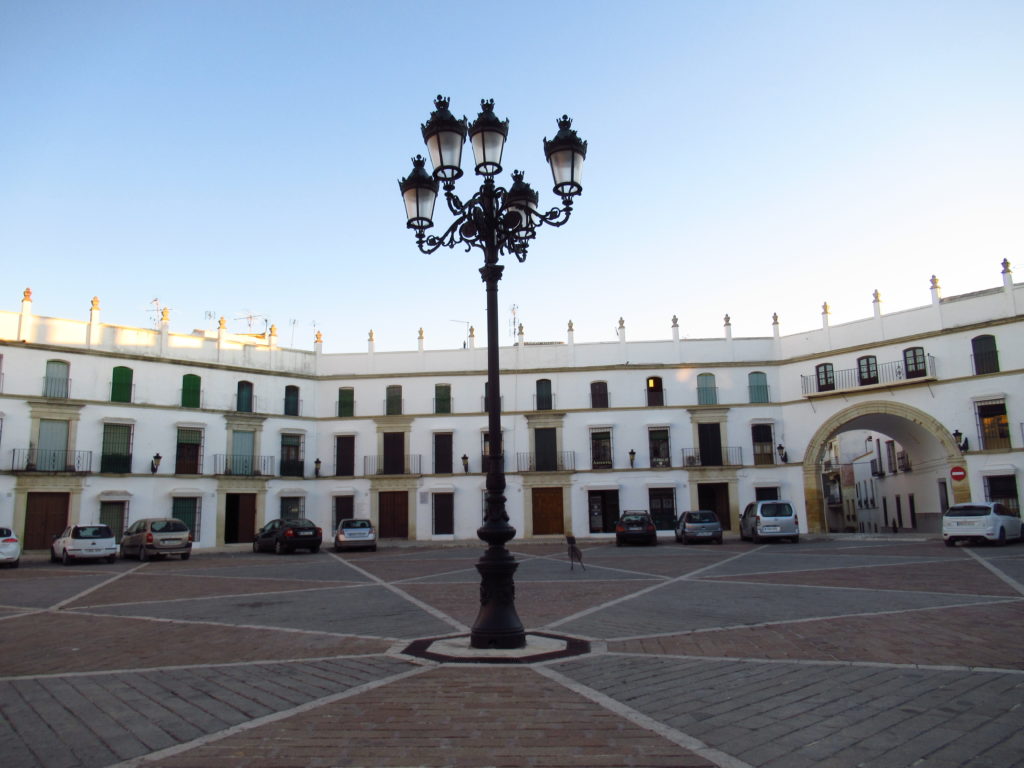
980	521
769	520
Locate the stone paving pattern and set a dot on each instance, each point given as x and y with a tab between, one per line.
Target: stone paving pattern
841	653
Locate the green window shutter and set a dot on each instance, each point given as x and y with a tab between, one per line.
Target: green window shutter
121	385
190	391
442	398
186	509
117	448
346	401
112	514
291	400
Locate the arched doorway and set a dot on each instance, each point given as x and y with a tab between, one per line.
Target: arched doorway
933	451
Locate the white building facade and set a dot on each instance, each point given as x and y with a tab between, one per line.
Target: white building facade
104	423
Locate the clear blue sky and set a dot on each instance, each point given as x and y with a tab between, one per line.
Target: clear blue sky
746	158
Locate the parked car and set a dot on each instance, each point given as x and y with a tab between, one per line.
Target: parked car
283	536
769	520
698	525
157	537
10	548
981	521
635	527
84	542
355	533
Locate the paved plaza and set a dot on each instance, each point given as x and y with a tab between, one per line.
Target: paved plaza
874	652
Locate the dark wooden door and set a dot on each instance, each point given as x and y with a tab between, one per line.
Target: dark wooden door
239	517
547	511
710	438
46	515
394	514
394	453
545	441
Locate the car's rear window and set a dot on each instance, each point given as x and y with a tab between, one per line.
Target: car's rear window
355	524
776	510
5	532
168	526
701	517
92	532
300	523
634	518
968	510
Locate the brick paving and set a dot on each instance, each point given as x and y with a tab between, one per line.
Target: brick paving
851	652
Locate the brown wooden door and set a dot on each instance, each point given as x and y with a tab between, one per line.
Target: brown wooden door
46	515
394	514
547	511
239	517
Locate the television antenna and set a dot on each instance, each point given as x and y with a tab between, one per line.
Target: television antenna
513	321
250	318
467	324
157	311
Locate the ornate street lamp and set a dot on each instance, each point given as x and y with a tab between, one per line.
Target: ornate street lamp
498	221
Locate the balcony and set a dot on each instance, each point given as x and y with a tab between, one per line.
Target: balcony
903	461
240	464
485	463
876	468
713	457
894	372
57	386
561	461
116	463
292	468
48	460
400	464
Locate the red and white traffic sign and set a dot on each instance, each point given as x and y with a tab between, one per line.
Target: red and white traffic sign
958	473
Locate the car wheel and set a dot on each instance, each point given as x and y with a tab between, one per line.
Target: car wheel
314	550
1002	537
685	540
65	559
121	550
255	546
718	540
373	548
950	542
279	548
112	559
796	539
618	542
337	548
53	556
143	554
16	563
678	538
186	555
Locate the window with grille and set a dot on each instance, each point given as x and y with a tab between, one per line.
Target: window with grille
601	449
993	426
114	515
291	456
293	507
764	451
188	458
657	441
117	448
187	509
707	392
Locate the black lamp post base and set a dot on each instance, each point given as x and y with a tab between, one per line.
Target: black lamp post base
497	624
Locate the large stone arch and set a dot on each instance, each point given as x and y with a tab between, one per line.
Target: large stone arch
904	422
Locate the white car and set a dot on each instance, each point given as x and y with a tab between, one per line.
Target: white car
355	533
84	542
10	548
981	521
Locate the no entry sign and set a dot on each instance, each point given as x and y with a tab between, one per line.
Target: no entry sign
958	473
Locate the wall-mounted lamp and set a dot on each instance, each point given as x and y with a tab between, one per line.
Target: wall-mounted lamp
783	457
465	463
961	441
632	458
154	465
316	467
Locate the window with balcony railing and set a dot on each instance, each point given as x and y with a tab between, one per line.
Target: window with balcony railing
993	425
601	449
292	404
292	461
56	382
117	448
442	398
985	354
757	384
707	392
826	376
243	397
191	391
763	441
121	385
393	400
657	442
655	392
599	394
914	362
867	370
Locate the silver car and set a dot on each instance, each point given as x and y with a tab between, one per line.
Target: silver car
157	537
770	520
355	533
699	525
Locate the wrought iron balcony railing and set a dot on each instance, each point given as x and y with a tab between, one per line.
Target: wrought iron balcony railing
400	464
726	456
852	378
560	461
56	386
292	468
49	460
242	464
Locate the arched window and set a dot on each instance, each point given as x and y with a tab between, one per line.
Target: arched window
544	398
599	394
243	400
393	400
655	394
291	400
707	392
914	363
757	383
56	383
121	385
191	391
867	369
985	354
826	377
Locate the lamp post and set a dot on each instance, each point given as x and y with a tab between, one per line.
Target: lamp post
498	221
